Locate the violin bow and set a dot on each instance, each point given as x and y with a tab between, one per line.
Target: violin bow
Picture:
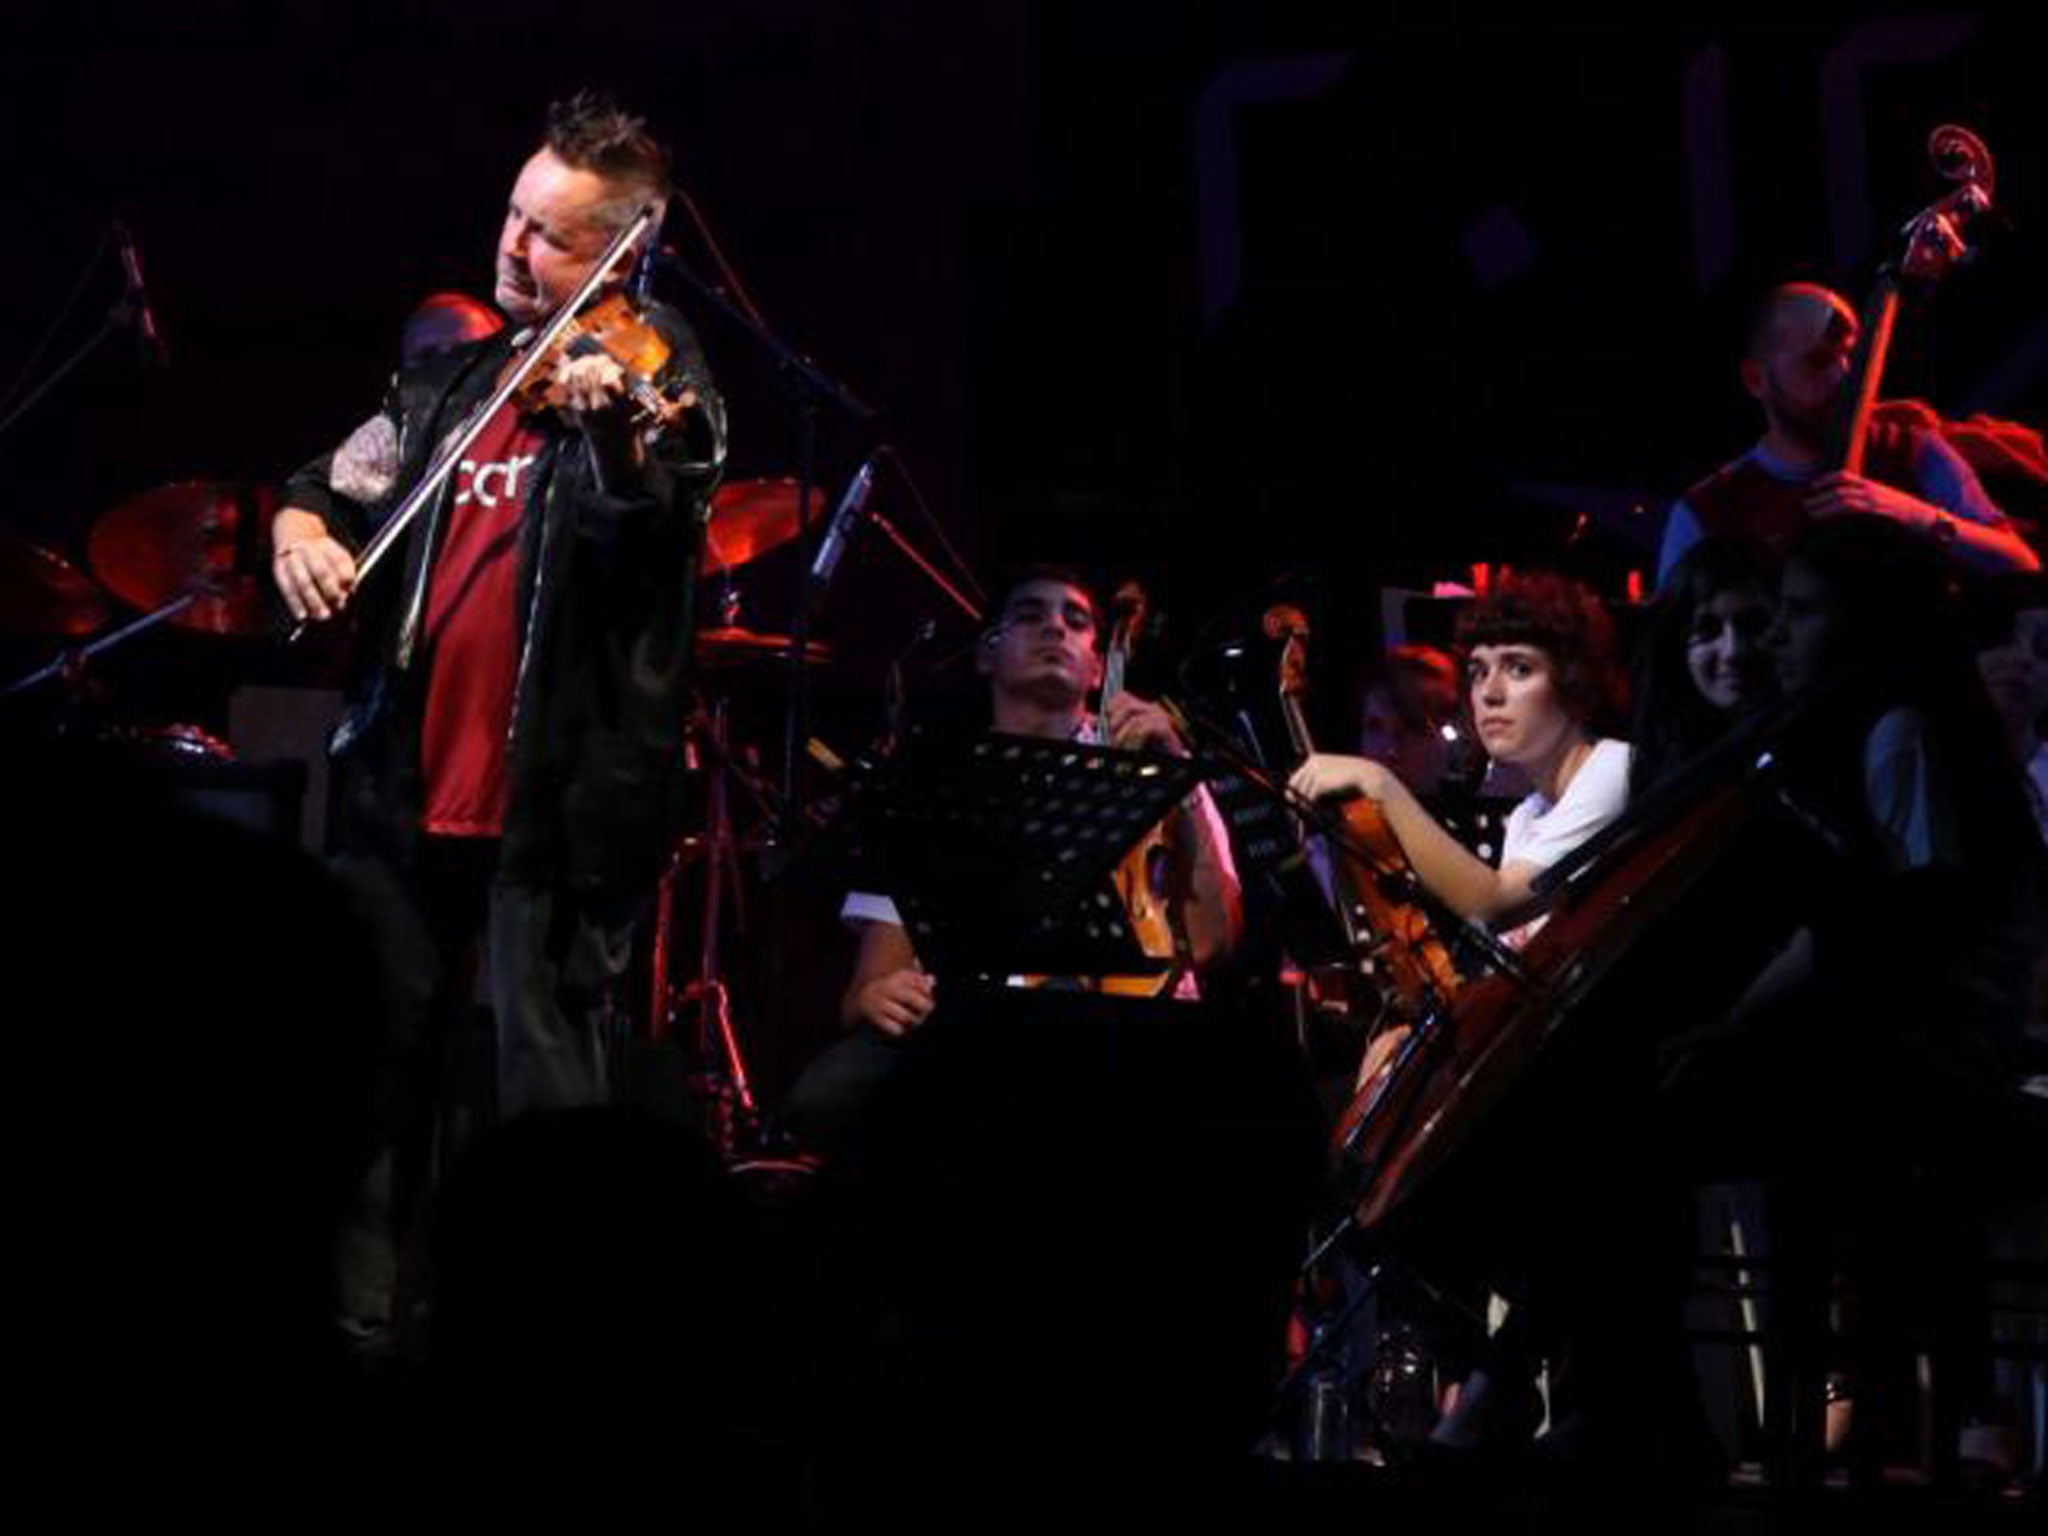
540	348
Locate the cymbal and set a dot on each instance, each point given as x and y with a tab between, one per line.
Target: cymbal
194	534
751	517
42	593
733	646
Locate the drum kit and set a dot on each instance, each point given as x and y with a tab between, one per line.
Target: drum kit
192	554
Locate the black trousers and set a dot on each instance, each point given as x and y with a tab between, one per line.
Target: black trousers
499	1000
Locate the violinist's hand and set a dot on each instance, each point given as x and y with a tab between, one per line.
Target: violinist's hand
1842	494
591	392
895	1002
584	386
313	570
1324	774
1135	723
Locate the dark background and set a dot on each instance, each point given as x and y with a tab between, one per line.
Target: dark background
1487	272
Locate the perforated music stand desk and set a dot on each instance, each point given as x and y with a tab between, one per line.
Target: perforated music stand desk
998	849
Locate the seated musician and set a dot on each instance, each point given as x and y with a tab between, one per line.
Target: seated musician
1043	660
1869	1071
1542	680
2009	622
1703	662
1407	703
996	1156
1796	361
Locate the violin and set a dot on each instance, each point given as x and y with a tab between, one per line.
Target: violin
526	365
616	329
1370	868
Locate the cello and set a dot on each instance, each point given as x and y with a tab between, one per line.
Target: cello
1145	876
1384	925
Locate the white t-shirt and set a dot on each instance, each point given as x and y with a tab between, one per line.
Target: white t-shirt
1540	833
869	907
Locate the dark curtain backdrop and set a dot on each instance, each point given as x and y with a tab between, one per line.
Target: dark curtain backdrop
1223	295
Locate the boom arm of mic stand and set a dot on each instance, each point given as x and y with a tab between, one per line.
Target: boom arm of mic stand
114	322
911	553
812	385
820	384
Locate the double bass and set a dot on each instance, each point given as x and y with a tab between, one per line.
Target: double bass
1936	242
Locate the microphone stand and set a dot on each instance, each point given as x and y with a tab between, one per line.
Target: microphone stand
918	558
120	315
810	388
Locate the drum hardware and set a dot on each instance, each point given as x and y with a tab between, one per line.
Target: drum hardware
719	1071
732	645
752	518
70	666
195	550
42	593
810	390
185	553
171	742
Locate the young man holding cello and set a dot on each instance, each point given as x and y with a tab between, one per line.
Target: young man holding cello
1043	660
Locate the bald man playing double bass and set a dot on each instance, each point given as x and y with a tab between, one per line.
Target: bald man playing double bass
1795	366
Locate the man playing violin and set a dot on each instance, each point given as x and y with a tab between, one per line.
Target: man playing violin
1796	363
505	777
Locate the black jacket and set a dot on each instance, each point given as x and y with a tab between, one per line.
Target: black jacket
605	619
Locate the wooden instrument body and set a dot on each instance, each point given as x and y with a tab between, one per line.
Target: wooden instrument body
1370	869
1937	241
1588	968
1145	877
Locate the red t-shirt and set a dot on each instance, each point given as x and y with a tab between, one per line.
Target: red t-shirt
472	632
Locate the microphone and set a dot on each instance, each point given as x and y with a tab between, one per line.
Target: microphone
661	254
646	265
137	297
840	529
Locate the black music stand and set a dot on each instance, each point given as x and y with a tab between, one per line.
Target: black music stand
998	849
